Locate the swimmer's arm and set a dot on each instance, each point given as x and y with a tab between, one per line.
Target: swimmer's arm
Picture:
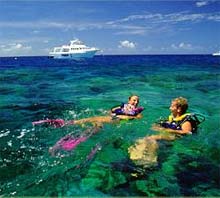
138	116
114	108
128	117
186	129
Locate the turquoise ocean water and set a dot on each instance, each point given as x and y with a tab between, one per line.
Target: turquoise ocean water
35	88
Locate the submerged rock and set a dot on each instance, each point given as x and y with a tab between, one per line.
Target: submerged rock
144	152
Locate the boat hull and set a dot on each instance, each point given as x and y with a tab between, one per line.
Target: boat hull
83	55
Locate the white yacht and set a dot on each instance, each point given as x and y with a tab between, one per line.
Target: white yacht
216	53
75	50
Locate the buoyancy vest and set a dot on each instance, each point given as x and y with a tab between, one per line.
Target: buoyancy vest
176	123
126	109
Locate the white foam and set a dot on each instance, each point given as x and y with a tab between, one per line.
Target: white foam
38	182
23	146
21	134
7	160
4	133
9	143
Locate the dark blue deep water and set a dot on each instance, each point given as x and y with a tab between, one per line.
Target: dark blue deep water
35	88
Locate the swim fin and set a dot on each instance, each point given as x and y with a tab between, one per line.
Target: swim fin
57	123
67	143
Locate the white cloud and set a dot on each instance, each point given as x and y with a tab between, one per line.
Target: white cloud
184	17
14	47
201	3
127	44
145	21
214	18
131	32
140	24
182	46
155	19
36	32
148	16
148	49
149	23
185	46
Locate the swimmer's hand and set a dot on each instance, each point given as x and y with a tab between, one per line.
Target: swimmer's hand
156	127
138	116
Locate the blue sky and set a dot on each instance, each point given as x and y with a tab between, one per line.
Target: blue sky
116	27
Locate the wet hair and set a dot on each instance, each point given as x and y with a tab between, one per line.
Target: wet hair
133	96
181	103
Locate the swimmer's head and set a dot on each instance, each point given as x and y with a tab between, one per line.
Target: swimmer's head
179	105
133	100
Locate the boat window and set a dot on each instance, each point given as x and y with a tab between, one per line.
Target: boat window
65	50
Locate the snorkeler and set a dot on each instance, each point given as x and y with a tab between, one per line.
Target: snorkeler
129	108
179	123
126	111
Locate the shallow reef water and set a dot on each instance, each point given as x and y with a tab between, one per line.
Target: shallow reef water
36	88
